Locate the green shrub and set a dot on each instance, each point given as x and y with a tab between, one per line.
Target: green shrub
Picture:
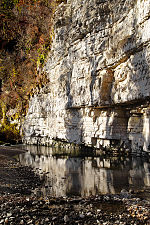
9	133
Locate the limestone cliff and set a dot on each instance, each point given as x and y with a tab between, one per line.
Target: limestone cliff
99	77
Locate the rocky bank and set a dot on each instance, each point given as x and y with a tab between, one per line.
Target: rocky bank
18	204
98	70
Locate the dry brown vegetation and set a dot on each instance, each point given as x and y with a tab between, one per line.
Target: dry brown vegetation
25	38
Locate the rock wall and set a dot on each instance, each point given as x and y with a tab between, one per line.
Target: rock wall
98	92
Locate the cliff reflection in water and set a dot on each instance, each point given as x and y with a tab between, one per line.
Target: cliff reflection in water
87	175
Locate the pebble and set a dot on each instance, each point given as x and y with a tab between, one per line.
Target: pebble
29	222
66	218
47	220
98	210
9	214
81	216
54	218
6	220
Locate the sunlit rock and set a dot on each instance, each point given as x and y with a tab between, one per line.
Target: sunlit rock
98	69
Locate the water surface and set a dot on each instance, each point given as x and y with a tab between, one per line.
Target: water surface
86	175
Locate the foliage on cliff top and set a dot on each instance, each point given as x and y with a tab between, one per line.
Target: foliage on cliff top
25	39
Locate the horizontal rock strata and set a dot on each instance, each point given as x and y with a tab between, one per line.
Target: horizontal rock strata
99	77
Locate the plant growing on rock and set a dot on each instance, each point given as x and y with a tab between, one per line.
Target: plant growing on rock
25	39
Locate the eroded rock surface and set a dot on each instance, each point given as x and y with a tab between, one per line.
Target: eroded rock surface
98	70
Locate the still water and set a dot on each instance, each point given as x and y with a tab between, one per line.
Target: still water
86	175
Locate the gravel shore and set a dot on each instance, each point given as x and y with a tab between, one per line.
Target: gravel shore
18	204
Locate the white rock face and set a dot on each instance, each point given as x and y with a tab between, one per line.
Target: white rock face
99	77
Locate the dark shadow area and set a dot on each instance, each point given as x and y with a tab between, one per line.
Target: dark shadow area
74	177
93	79
8	46
73	118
